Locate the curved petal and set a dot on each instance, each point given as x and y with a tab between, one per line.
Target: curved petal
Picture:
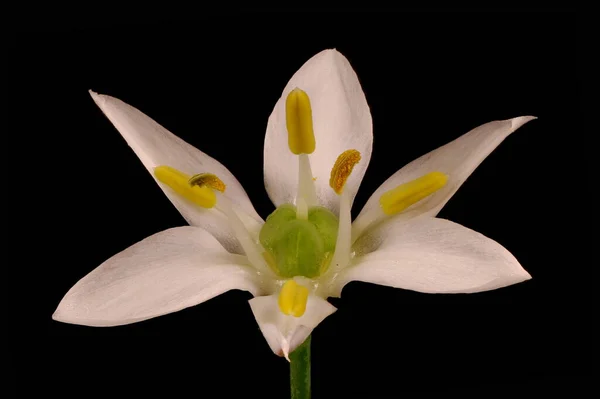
458	159
341	119
285	333
431	255
155	146
164	273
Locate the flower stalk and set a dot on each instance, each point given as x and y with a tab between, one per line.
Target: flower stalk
300	371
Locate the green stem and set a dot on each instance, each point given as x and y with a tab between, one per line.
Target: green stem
300	371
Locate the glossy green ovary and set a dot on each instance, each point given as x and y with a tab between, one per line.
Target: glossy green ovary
300	247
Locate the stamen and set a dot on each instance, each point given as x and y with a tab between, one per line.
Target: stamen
298	118
325	263
339	175
179	182
208	179
270	259
293	298
301	141
252	249
199	189
342	169
398	200
306	183
301	209
403	196
341	256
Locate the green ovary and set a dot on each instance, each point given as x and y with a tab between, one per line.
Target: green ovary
299	247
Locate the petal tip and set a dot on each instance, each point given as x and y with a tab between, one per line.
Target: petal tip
59	315
520	121
99	99
519	275
285	348
62	312
332	50
525	275
330	55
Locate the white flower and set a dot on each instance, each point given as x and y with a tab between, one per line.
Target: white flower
396	240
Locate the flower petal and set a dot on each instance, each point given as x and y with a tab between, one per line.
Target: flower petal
458	159
155	146
341	120
164	273
285	333
431	255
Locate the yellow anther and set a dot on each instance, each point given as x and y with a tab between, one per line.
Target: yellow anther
293	298
207	179
342	168
179	182
403	196
298	119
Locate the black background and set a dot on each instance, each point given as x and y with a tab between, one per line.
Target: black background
82	195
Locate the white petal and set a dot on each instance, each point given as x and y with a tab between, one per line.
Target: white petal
164	273
155	146
458	159
285	333
431	255
342	121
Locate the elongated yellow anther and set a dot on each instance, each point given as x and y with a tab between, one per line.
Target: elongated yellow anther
293	298
179	182
342	169
298	119
207	179
403	196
